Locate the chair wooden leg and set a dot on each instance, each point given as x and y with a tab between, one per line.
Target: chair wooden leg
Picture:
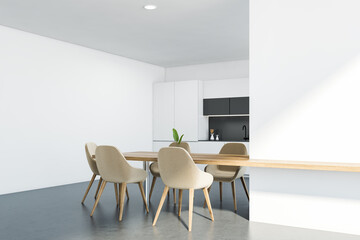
234	193
174	194
122	198
207	199
98	197
204	205
88	188
220	189
245	188
116	193
98	187
180	201
119	186
152	187
143	195
166	190
191	206
127	194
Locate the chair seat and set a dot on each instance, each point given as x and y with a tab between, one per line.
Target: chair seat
134	175
203	180
137	175
154	169
221	175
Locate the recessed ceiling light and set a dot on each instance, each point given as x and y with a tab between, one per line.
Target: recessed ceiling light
150	7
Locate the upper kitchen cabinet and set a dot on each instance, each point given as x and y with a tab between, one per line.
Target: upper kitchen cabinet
163	110
239	105
217	106
226	106
179	105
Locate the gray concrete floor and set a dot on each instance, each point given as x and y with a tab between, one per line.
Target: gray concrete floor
56	213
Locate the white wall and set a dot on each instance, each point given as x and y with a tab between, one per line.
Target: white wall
55	96
211	71
304	88
220	80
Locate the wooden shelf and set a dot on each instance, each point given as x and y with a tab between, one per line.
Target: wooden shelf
321	166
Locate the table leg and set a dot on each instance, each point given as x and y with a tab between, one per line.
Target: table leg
147	181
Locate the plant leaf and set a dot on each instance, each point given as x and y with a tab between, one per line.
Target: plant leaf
180	139
175	135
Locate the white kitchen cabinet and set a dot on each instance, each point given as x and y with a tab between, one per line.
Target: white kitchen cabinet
163	110
188	110
179	105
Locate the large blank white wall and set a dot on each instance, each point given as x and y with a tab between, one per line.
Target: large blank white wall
304	105
55	97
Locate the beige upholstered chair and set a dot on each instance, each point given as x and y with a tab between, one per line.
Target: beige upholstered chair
229	173
154	168
90	153
179	171
114	168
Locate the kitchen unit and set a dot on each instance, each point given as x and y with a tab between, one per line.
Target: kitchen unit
193	107
228	118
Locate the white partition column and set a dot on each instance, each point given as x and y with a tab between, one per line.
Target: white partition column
304	95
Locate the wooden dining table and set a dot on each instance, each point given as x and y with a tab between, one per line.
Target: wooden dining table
199	158
243	160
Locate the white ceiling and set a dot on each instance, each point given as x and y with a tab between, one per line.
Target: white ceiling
179	32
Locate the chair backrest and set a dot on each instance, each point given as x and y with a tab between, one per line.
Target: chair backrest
232	148
112	165
177	168
90	148
183	145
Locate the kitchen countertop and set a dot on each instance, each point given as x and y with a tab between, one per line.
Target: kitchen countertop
221	141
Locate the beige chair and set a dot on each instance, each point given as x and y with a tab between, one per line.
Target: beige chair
154	168
114	168
229	173
90	153
179	171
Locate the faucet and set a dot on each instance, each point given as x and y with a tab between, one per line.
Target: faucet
244	128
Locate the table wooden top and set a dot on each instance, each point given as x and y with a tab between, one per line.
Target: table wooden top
200	158
242	160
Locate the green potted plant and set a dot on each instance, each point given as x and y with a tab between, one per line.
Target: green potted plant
176	136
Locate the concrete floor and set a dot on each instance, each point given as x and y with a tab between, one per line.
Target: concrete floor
56	213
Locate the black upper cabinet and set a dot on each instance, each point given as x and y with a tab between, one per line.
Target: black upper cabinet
239	105
226	106
217	106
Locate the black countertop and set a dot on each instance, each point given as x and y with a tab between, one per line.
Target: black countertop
222	141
